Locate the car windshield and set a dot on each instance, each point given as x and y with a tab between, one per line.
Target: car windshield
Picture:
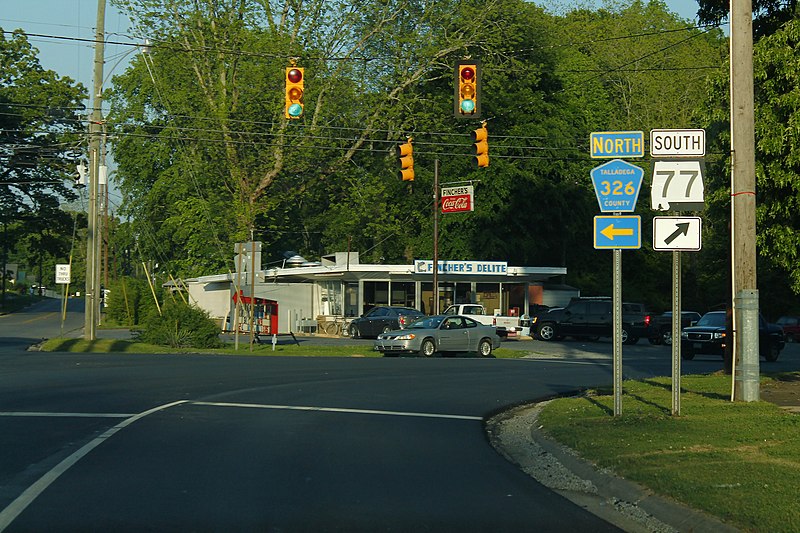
712	319
428	322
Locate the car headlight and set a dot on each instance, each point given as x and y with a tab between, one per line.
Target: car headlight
684	335
405	337
719	335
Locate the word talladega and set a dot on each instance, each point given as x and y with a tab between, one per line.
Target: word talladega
462	267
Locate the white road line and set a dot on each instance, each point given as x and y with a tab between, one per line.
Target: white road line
10	513
66	415
338	410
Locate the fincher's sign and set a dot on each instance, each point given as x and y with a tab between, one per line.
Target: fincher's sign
458	199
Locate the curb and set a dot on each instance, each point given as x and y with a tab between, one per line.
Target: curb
517	436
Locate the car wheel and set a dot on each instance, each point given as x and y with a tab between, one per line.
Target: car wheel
546	331
428	348
772	354
354	333
687	354
666	338
485	348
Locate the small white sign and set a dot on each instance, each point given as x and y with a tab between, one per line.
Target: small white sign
677	186
62	274
677	143
677	234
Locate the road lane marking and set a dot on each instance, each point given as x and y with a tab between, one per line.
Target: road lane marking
65	415
10	513
338	410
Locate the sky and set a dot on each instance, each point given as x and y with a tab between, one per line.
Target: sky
76	19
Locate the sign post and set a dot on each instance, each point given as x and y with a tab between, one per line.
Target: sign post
63	278
616	185
677	186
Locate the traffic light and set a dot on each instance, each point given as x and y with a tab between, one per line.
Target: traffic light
294	92
406	153
468	88
481	139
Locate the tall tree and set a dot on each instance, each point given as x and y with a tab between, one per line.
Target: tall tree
40	139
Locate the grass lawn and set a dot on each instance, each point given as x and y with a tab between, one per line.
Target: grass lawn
126	346
737	461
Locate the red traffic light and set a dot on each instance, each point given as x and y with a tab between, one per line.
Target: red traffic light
294	75
468	73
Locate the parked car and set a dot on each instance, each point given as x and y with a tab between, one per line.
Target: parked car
661	326
382	318
590	318
791	327
440	333
709	336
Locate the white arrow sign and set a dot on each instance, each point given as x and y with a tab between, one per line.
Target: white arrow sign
677	233
677	186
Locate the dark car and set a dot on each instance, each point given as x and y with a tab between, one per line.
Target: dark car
381	319
661	326
590	318
791	327
709	336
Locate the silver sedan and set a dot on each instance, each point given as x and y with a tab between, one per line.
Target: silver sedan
434	334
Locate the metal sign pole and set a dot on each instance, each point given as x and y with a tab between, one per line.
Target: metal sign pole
676	333
617	332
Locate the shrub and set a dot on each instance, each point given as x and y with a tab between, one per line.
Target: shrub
181	326
129	302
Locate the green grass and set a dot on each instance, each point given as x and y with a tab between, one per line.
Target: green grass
737	461
303	350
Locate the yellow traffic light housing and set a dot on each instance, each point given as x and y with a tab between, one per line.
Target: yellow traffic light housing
294	92
406	153
467	89
481	139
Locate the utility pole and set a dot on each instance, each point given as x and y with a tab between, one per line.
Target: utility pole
95	129
436	237
743	206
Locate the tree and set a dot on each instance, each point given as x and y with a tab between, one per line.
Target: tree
40	137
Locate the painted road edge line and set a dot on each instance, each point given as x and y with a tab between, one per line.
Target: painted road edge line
10	513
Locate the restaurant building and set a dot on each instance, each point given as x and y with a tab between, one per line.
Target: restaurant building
308	296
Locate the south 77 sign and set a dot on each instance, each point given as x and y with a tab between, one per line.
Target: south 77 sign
677	186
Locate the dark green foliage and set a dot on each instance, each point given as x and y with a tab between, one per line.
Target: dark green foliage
181	326
129	302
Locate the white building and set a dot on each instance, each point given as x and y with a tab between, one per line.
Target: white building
340	286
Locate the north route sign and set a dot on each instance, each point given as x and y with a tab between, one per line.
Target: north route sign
617	184
616	144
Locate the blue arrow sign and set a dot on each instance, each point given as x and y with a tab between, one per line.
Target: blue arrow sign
617	184
618	232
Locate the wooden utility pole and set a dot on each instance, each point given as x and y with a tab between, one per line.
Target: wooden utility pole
743	205
92	306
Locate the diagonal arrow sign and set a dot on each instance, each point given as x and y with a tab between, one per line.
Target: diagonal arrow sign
609	232
683	229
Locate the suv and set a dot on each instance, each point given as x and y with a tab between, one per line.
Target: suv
590	318
381	319
661	326
708	337
791	327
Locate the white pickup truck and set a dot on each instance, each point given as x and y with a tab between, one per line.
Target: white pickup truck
507	326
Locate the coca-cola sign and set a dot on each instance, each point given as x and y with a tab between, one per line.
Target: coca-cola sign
457	199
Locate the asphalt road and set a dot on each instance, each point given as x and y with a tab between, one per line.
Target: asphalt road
199	443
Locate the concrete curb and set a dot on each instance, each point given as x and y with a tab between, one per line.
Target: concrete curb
516	435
